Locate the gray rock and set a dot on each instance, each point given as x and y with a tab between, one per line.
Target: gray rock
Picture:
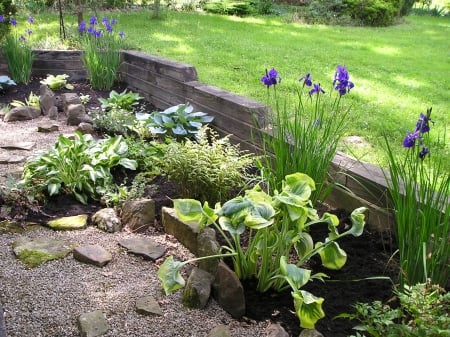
93	324
76	114
34	252
220	331
144	247
47	127
310	333
22	113
107	220
2	323
138	215
11	159
85	128
185	232
276	330
68	99
69	222
229	291
92	254
19	145
53	113
147	305
198	289
207	246
47	99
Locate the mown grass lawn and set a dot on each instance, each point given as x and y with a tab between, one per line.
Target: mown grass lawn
398	71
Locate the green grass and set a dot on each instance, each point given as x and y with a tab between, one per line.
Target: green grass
398	71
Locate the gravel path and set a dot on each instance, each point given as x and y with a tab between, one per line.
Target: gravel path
46	301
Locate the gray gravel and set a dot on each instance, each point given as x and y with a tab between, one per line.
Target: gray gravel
46	301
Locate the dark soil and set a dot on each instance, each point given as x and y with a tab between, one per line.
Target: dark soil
368	255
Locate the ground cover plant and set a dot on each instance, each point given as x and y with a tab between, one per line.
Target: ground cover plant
395	74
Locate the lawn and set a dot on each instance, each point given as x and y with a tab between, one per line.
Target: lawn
398	71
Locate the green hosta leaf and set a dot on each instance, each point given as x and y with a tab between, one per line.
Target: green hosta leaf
53	189
296	276
358	221
233	227
169	274
188	210
299	184
128	163
332	256
308	308
234	206
81	197
260	215
304	244
333	221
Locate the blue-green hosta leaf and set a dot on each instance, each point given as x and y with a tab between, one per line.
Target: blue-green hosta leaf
332	256
194	124
188	210
299	184
296	276
207	119
234	206
233	227
308	308
179	130
172	109
358	221
157	130
260	215
169	274
128	163
142	116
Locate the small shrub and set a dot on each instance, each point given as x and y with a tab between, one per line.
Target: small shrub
373	12
208	169
114	121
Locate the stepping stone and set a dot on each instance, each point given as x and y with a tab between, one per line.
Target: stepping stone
11	159
19	146
93	324
47	127
92	254
147	305
34	252
144	247
69	222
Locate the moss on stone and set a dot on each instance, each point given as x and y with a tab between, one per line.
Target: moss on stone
34	258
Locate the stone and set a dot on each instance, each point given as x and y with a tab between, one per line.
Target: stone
34	252
68	99
47	99
76	114
185	232
47	127
69	222
198	289
92	324
85	128
207	246
148	306
310	333
11	159
92	254
53	113
2	322
276	330
228	291
107	220
138	215
220	331
19	145
22	113
144	247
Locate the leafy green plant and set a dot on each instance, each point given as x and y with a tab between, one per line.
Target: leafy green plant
113	121
423	312
147	154
208	169
5	82
18	52
306	140
179	121
124	100
374	12
57	82
277	226
101	55
32	100
81	166
419	187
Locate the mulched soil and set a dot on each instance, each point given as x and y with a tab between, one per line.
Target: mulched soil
368	255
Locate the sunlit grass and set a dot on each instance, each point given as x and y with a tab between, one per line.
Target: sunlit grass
398	71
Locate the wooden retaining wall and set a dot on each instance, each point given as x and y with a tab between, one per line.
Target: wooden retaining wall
165	83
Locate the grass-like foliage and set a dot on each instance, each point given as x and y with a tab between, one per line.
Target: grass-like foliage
306	140
419	187
423	311
277	225
101	55
81	167
208	168
18	52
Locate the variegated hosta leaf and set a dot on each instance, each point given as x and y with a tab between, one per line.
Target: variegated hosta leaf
188	210
358	221
169	274
296	276
308	308
332	256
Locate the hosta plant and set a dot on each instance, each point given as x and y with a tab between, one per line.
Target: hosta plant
5	83
125	100
81	167
179	121
276	226
32	100
57	82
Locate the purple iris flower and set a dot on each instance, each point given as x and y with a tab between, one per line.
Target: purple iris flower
307	80
423	153
271	78
422	124
105	20
113	21
109	28
2	18
82	27
93	21
13	22
410	139
342	81
22	38
29	31
316	89
121	35
30	19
